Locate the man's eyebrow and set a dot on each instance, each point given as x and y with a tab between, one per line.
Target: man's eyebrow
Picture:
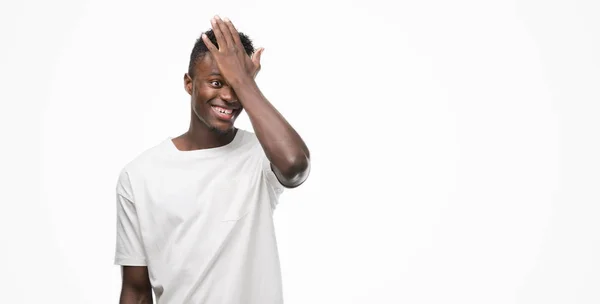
214	73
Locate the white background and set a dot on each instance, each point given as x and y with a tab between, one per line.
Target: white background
455	144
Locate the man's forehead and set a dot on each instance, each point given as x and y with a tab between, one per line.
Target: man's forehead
206	65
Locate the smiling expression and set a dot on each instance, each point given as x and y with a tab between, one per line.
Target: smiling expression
214	103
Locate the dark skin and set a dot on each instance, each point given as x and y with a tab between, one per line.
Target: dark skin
136	287
224	78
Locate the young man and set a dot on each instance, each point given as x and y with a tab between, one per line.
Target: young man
195	212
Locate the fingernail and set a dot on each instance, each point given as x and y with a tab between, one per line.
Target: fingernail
226	19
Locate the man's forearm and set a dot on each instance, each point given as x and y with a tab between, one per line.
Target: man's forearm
130	296
282	145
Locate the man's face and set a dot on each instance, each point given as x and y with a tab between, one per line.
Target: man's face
214	102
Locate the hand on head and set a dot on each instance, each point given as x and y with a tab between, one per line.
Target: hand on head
231	58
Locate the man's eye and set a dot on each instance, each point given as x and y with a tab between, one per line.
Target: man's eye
216	83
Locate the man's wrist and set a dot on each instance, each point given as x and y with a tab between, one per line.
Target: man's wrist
242	81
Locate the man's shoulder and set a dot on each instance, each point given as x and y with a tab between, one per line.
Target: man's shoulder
248	136
249	142
148	156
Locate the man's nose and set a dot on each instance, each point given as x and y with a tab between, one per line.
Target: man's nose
228	94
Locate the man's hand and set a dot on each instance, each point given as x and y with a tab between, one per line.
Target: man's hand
256	61
285	149
233	62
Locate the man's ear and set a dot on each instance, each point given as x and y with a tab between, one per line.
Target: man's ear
188	83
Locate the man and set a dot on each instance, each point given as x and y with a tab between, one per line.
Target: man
195	212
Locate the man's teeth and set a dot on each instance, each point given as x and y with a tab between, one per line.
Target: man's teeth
224	111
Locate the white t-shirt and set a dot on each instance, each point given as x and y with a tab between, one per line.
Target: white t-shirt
202	222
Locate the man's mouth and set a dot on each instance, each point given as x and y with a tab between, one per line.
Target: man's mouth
224	113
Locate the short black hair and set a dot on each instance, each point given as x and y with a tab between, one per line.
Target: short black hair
200	48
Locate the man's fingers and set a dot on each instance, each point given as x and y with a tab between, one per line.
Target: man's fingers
256	60
225	33
256	56
218	33
211	47
234	34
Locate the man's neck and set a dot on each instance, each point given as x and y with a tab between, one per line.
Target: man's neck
201	137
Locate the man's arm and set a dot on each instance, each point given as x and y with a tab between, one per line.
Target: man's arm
285	149
283	146
136	287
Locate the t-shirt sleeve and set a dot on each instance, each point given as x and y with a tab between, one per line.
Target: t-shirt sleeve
129	249
267	172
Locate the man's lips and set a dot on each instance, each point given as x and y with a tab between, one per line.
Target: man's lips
224	112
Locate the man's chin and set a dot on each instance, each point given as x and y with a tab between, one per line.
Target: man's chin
222	130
